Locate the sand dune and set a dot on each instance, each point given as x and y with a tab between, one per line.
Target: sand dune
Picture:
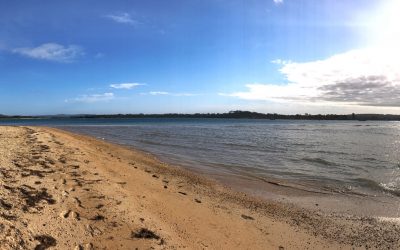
65	191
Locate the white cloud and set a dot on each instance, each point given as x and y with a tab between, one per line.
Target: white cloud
368	77
52	52
93	98
170	94
158	93
122	18
125	85
280	61
278	1
359	78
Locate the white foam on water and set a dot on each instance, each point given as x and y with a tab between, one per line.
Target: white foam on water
390	186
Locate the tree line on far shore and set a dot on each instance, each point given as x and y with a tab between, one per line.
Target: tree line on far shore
238	114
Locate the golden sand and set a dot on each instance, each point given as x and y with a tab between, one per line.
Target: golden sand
64	191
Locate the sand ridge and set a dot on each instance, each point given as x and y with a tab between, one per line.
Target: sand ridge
65	191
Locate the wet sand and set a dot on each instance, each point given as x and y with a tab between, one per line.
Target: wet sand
65	191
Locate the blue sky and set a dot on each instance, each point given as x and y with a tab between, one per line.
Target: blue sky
286	56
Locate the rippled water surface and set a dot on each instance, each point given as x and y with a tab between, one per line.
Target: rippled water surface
344	156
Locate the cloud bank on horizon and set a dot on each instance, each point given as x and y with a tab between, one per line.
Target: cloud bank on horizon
367	77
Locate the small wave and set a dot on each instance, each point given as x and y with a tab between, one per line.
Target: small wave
237	145
329	152
316	188
370	159
390	188
297	186
319	161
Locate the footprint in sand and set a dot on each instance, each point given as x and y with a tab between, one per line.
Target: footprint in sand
99	206
88	246
65	214
246	217
98	217
144	233
75	215
70	214
62	160
78	201
46	241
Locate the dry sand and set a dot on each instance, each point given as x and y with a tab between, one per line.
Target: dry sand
64	191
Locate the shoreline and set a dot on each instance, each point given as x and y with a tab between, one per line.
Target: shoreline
137	192
307	195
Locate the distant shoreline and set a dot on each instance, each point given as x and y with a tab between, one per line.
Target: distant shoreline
230	115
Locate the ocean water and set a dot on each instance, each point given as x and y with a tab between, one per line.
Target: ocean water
330	156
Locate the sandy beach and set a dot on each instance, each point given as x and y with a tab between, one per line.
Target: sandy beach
66	191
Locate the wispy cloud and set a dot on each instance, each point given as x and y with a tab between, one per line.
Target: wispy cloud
127	85
278	1
158	93
280	61
93	98
365	77
52	52
124	18
169	93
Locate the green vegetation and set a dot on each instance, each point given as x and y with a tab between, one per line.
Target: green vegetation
232	114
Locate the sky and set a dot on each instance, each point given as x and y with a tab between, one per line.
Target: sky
187	56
